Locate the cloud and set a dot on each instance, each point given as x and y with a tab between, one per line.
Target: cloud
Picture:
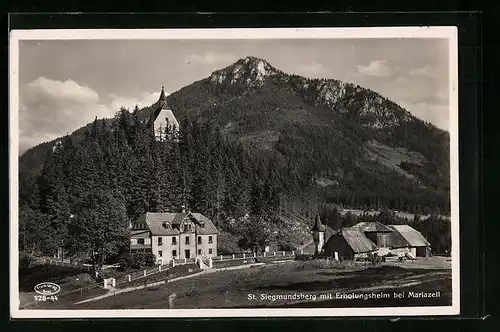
377	68
210	58
145	99
313	68
49	109
425	71
66	92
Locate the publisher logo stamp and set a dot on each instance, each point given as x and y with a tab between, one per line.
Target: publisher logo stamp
47	288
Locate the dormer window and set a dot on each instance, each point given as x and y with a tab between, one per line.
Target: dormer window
187	227
166	225
202	224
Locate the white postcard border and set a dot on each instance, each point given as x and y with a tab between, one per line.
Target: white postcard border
442	32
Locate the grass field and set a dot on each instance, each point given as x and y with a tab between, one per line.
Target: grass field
255	287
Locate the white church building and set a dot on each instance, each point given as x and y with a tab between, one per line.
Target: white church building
163	117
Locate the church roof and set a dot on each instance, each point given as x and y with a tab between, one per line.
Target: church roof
318	226
162	95
160	107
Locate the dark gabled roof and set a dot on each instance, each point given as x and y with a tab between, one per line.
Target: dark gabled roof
156	222
405	235
358	242
318	226
328	232
372	226
160	106
162	95
208	226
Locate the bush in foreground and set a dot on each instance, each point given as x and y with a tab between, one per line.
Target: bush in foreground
137	260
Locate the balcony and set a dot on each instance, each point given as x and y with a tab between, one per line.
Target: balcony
140	247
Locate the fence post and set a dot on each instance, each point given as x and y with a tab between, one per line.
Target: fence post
220	257
264	254
283	253
145	272
210	262
129	277
293	252
113	282
233	256
274	253
301	251
243	255
159	268
173	262
185	260
254	254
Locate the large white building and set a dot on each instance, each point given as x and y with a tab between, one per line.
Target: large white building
174	235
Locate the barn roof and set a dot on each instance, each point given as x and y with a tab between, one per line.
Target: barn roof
413	237
358	242
372	226
167	223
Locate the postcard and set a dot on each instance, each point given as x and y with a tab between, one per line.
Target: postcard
234	172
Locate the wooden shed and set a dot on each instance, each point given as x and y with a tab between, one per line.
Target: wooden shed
349	243
405	238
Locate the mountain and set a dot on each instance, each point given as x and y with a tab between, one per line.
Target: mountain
347	144
345	135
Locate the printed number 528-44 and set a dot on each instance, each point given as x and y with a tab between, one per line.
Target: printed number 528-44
41	298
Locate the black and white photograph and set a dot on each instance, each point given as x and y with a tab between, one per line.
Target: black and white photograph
234	172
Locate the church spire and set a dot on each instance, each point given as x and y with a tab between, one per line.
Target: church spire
162	94
318	226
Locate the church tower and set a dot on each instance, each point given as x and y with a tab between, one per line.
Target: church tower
318	232
163	117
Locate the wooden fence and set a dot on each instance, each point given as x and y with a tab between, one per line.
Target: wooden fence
125	277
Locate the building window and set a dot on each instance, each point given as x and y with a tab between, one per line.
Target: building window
199	251
160	253
174	240
140	241
160	241
174	253
187	239
210	251
199	239
210	241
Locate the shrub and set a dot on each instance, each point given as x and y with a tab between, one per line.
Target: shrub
227	244
137	260
286	246
149	259
24	260
126	261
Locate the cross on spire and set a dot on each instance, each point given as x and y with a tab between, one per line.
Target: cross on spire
162	94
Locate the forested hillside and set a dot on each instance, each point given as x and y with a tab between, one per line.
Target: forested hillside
257	150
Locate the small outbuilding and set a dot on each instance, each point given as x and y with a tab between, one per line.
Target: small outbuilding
349	243
405	239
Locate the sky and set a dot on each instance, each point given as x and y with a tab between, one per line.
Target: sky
65	84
